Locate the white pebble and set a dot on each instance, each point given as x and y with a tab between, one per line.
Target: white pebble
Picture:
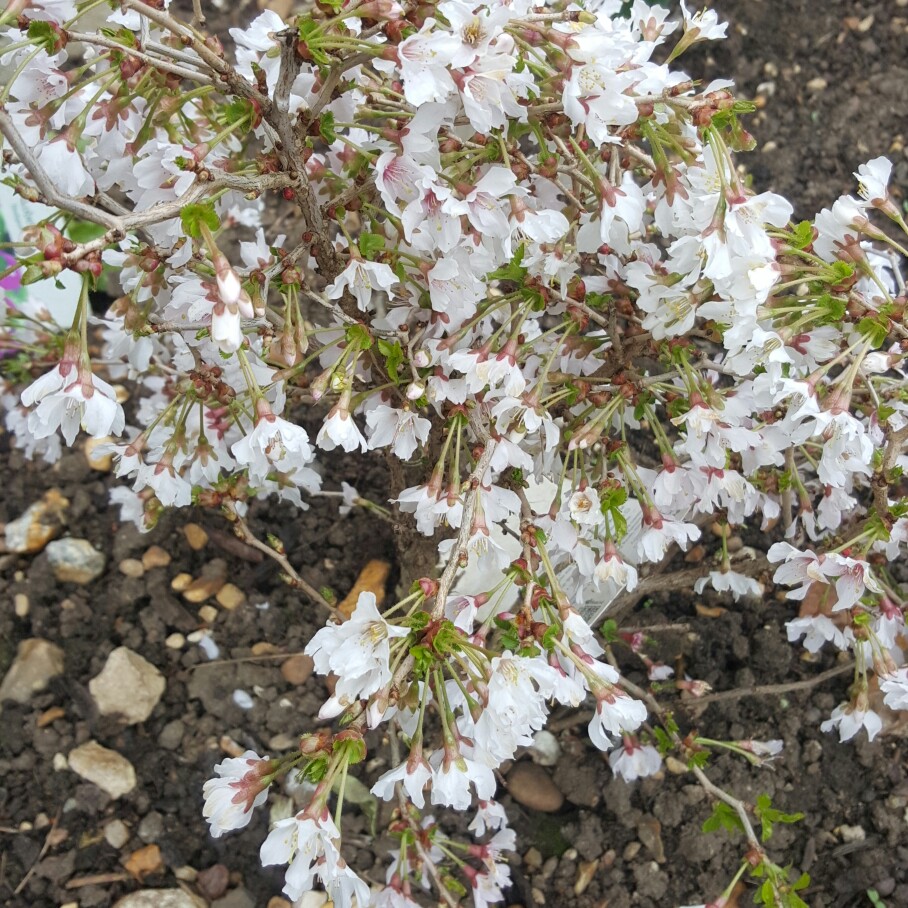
243	700
209	647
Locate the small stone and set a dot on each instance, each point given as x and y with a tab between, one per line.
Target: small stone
372	579
144	861
277	902
538	896
116	834
282	741
128	686
155	557
21	605
75	560
263	648
695	555
532	786
850	834
208	613
121	394
181	582
585	873
675	766
213	881
60	762
105	768
171	735
40	523
230	747
186	873
195	536
97	455
817	84
297	669
151	827
131	567
242	699
49	716
631	851
236	898
206	586
312	899
649	831
230	597
175	641
36	662
159	898
533	859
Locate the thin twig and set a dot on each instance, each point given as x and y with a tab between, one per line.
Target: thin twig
44	849
246	534
772	689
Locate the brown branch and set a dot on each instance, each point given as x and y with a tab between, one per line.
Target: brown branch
771	689
880	481
241	528
232	79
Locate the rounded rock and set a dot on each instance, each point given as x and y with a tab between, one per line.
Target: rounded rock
531	786
128	686
297	669
75	560
107	769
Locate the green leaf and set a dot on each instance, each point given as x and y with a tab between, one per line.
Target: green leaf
358	337
513	271
369	244
723	817
875	329
394	357
802	235
609	630
769	816
310	37
832	307
83	231
326	127
43	34
236	111
193	216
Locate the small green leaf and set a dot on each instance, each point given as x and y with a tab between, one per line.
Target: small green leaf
875	329
802	235
358	337
723	817
326	127
43	34
193	216
369	244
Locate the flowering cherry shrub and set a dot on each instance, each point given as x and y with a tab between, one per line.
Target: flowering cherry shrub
507	247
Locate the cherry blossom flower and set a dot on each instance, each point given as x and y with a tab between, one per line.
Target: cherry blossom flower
402	429
308	846
241	786
849	718
634	761
895	689
358	651
69	398
362	279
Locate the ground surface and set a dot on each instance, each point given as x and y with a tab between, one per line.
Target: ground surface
644	839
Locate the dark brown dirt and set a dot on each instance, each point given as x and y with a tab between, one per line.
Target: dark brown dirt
821	135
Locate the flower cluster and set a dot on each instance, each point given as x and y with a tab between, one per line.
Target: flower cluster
528	261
